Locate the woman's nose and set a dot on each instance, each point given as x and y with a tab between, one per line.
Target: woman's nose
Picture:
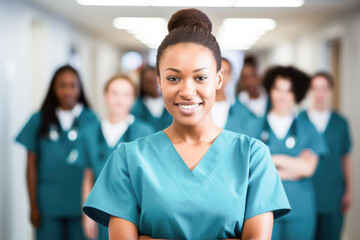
188	88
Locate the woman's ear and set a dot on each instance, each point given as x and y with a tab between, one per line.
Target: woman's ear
220	79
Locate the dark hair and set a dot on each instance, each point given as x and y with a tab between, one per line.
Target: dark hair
121	77
190	26
325	75
227	60
144	70
300	81
250	60
51	102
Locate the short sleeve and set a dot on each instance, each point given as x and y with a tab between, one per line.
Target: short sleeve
29	136
265	190
347	139
113	193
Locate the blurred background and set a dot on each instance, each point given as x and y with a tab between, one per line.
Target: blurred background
99	39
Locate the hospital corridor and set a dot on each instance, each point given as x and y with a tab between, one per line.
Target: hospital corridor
169	119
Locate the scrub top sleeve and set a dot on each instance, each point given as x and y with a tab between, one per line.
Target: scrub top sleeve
265	191
347	139
113	193
29	136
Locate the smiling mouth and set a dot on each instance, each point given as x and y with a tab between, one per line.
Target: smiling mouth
188	106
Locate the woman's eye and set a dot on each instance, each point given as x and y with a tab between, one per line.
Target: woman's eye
173	79
201	78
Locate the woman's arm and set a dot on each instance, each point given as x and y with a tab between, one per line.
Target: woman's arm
347	197
122	229
32	181
90	227
258	227
294	168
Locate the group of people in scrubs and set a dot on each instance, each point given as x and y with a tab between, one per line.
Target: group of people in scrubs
179	159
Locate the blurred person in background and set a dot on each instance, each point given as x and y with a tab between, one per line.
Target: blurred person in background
332	178
233	116
250	90
295	147
150	106
51	138
101	139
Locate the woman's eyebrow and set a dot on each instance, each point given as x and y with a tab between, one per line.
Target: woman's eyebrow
173	69
178	71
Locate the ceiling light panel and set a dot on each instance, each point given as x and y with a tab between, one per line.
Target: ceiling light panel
194	3
243	33
149	31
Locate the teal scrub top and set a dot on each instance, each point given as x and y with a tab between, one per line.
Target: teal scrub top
147	183
242	120
59	178
307	137
159	123
328	179
96	150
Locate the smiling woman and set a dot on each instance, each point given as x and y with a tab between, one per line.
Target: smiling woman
192	180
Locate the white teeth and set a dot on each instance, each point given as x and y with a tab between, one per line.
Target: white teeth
187	107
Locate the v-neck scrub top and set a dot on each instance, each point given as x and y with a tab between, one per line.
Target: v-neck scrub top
96	150
328	179
300	192
59	181
147	183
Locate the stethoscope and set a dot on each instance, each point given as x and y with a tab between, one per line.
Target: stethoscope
290	141
72	135
102	141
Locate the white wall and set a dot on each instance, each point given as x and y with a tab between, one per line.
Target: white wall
308	52
33	44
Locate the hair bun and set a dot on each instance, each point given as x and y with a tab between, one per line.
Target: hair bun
189	17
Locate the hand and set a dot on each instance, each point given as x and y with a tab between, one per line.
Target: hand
90	228
35	218
346	202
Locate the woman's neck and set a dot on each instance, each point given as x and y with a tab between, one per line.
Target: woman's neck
116	118
220	96
204	131
282	112
320	108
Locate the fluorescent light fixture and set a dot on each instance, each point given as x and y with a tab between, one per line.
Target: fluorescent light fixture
150	31
139	3
243	33
195	3
268	3
191	3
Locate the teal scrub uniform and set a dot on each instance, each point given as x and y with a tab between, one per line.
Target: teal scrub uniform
242	120
300	223
147	183
142	112
328	179
59	177
96	150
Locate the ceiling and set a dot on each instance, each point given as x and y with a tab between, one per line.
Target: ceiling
97	20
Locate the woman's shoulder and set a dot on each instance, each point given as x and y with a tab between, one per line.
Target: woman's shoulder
244	140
